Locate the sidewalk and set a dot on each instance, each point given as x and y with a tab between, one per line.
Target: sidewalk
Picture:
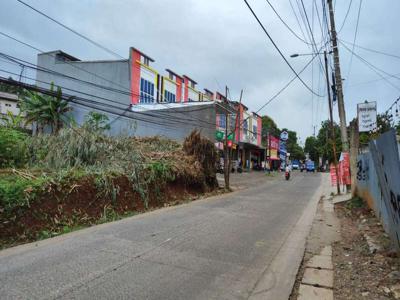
316	276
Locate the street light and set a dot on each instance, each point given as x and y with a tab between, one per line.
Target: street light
308	54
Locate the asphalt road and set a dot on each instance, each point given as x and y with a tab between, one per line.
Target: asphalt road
216	248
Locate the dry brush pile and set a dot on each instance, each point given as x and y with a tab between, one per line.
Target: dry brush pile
80	177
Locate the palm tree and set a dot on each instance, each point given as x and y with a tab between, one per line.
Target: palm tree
45	110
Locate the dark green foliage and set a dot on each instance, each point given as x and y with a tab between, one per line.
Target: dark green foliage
45	110
324	141
17	191
292	147
13	147
269	127
97	121
383	125
311	147
8	88
355	203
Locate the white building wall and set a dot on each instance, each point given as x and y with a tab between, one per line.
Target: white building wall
6	105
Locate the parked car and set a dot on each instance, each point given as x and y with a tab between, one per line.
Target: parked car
295	165
310	166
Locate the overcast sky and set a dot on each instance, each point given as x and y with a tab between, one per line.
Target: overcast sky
218	43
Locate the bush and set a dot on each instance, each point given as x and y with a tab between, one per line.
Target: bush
16	191
13	147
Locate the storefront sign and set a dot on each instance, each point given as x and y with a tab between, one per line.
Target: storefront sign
366	113
219	135
284	135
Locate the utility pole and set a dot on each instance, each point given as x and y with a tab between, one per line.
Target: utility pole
237	125
226	152
342	113
333	137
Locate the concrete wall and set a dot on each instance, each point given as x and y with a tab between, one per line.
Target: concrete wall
378	182
116	75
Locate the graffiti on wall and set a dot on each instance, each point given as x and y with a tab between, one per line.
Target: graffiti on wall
378	174
362	170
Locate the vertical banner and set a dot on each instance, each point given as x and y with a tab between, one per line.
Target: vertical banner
333	175
344	168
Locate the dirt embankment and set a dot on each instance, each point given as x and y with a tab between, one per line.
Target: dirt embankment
365	263
81	204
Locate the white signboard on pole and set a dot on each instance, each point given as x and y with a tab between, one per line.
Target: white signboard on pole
366	113
284	136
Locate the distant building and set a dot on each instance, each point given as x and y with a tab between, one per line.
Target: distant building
136	98
9	103
141	101
246	126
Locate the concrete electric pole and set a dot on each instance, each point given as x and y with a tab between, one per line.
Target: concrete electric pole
338	79
333	136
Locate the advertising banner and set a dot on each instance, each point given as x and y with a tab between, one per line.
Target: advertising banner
344	168
282	148
366	113
333	175
273	148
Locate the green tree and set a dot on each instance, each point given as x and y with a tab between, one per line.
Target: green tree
97	121
324	143
292	147
45	110
269	127
383	125
11	121
311	147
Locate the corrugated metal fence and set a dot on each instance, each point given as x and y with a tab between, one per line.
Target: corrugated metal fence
378	182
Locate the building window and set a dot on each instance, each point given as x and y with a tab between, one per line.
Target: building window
171	76
222	121
255	131
145	60
146	91
169	97
233	122
245	126
192	84
8	105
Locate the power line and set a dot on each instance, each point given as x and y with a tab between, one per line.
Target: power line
312	34
70	29
91	73
279	51
373	68
323	37
286	25
297	19
345	18
148	113
354	40
371	50
172	123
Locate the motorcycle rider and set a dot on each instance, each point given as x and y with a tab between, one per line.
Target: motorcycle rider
287	172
